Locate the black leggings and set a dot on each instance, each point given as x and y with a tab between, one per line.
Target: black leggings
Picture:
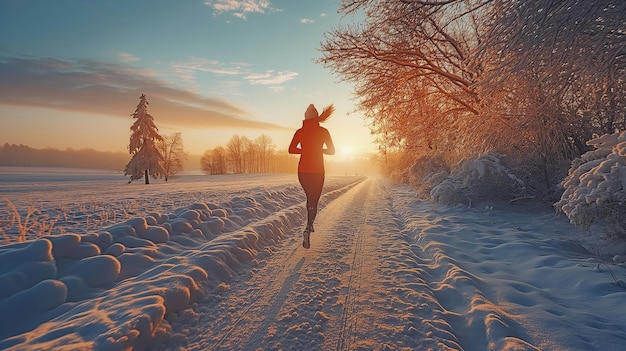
312	183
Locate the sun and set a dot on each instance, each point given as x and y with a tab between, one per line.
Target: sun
346	151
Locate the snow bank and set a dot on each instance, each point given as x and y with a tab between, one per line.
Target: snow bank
512	278
485	178
482	179
426	173
595	188
113	289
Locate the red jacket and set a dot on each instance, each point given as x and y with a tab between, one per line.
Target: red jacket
309	141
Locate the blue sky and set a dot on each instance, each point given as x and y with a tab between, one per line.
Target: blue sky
72	71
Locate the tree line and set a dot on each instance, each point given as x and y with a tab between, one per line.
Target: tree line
25	156
452	79
14	155
244	155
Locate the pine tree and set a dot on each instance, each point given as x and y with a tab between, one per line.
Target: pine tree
147	158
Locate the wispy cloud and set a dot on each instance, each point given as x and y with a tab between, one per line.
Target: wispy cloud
189	70
191	67
126	57
239	8
270	77
113	89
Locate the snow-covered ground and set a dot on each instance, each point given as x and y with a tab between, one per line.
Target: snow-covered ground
216	263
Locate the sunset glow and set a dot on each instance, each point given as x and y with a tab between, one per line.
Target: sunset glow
210	70
312	175
347	151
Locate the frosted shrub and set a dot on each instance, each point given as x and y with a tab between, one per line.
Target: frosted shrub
426	173
484	178
595	188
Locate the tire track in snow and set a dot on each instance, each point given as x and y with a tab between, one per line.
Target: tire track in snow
358	215
321	311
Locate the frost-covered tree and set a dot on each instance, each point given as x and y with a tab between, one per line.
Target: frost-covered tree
235	150
173	153
532	80
206	162
147	158
214	161
552	73
409	62
250	155
266	150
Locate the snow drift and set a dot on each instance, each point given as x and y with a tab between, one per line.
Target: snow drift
595	188
485	178
112	289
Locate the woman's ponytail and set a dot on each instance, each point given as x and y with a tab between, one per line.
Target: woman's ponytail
328	110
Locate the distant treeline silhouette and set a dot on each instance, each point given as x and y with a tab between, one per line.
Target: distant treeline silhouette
26	156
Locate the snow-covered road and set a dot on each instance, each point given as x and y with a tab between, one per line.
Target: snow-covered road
299	299
219	266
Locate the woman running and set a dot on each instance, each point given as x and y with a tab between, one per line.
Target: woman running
309	142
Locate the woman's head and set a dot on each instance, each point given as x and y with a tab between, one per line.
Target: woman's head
312	114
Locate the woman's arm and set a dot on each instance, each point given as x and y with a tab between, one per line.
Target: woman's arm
293	146
330	147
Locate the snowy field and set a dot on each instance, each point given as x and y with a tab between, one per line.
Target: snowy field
216	263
